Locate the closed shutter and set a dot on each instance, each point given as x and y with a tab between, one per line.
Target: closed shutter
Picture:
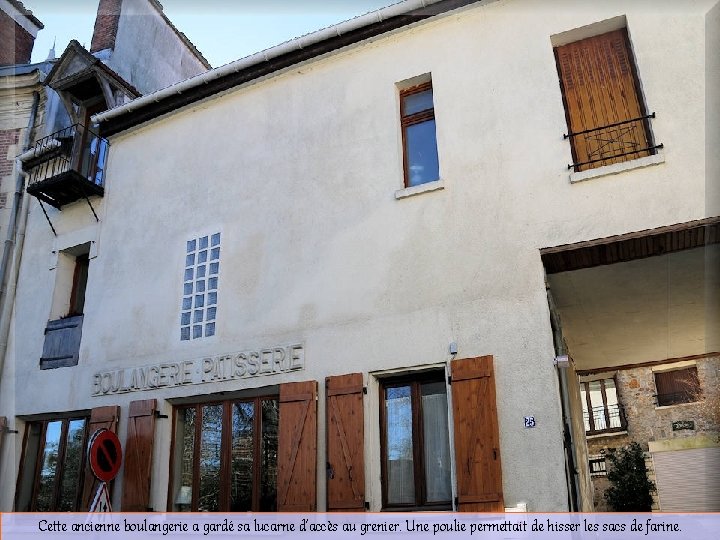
100	417
3	427
345	443
297	447
138	456
477	439
688	480
598	82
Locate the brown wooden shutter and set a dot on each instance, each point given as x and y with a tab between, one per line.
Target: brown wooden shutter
297	447
598	81
345	443
100	417
3	427
477	439
138	456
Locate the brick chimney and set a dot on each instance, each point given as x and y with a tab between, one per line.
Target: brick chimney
106	25
18	28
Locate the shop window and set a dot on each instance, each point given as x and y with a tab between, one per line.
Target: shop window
226	456
602	412
53	464
420	156
415	442
200	287
607	119
677	386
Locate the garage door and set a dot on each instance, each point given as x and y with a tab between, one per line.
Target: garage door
688	480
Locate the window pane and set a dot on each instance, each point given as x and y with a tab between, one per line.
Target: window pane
421	101
210	438
268	457
399	464
186	430
72	468
421	148
436	443
49	467
598	409
32	447
241	481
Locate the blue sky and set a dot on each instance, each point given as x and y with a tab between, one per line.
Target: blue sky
223	30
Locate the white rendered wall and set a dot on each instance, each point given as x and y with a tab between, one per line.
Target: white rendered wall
299	174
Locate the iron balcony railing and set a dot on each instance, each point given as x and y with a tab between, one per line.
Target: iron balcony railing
612	143
605	419
67	165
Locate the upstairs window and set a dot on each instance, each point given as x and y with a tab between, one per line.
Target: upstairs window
607	119
677	386
602	412
417	114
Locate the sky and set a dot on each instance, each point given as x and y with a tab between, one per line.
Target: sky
222	30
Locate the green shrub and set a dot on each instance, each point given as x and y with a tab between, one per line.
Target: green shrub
630	489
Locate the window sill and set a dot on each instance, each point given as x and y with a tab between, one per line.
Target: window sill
422	188
606	434
617	168
662	407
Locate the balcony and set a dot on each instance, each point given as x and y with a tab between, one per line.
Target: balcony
66	166
608	419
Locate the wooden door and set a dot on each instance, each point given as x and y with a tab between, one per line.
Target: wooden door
100	417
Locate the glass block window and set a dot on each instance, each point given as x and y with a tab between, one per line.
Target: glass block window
200	283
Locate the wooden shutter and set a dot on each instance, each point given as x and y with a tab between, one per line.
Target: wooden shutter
477	439
100	417
297	447
598	82
345	443
3	427
138	456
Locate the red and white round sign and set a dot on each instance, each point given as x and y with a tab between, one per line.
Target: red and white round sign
104	454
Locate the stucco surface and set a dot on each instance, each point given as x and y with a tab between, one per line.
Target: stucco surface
299	172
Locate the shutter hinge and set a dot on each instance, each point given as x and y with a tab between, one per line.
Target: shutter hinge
367	505
6	429
364	389
457	503
158	415
449	379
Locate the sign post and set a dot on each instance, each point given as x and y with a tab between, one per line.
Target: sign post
105	458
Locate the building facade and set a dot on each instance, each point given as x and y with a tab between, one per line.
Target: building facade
364	269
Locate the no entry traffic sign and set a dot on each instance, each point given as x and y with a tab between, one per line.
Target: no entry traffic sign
104	454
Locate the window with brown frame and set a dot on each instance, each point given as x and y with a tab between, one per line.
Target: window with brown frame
415	442
606	116
602	411
53	464
225	456
420	156
677	386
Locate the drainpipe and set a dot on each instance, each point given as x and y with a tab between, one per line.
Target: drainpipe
12	250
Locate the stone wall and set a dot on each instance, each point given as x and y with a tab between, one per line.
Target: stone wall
648	422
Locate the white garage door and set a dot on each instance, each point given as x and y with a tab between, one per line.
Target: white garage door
688	480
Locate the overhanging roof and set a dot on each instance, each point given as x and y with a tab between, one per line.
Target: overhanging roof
264	63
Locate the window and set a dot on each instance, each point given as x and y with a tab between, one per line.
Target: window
53	464
677	386
602	412
415	444
598	466
200	285
63	333
606	116
417	114
226	456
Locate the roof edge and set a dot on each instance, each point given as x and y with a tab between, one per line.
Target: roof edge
307	47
